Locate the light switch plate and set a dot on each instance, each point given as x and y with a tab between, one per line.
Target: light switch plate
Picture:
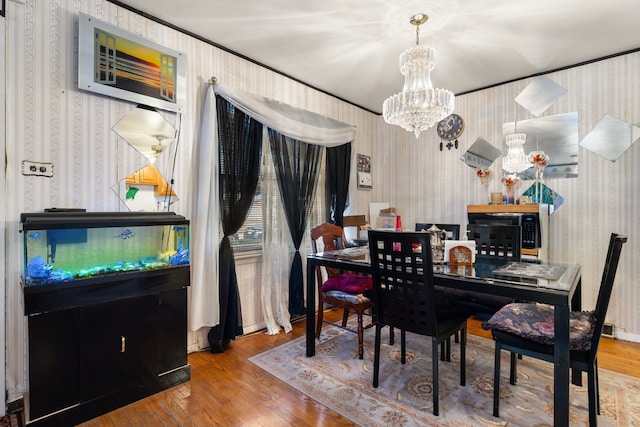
37	168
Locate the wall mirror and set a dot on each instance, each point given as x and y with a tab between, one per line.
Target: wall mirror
145	190
146	130
481	154
539	95
557	136
611	137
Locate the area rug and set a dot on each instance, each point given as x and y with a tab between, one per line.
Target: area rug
336	378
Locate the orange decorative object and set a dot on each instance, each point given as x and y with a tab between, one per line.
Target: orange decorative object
460	255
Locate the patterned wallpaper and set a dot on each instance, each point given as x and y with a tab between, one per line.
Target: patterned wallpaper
429	185
49	120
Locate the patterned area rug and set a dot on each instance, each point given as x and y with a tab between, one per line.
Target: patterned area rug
336	378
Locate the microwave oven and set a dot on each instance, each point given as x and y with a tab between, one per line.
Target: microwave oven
529	222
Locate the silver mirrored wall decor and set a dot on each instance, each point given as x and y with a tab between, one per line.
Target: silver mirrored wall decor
539	95
481	154
146	130
557	136
146	190
611	137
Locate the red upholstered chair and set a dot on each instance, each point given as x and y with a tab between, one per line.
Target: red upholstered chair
340	289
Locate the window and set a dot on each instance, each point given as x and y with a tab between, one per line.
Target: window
250	236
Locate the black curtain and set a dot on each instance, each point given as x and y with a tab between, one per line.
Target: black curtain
240	152
338	168
296	165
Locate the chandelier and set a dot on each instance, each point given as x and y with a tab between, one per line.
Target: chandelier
516	161
419	106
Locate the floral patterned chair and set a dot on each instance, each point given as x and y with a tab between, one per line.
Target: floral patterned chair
527	328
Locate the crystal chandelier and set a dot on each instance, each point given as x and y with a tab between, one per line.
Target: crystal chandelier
516	161
419	106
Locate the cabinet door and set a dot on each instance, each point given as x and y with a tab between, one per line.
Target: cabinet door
172	330
53	362
163	189
148	175
118	347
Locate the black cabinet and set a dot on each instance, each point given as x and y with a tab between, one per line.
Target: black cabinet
105	295
86	361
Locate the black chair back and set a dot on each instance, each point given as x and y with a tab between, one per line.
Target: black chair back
497	241
453	230
606	286
402	273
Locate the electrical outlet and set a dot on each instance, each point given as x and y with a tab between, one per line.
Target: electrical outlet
37	168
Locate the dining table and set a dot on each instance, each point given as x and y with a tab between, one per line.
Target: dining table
548	282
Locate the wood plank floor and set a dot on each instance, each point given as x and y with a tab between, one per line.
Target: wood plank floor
228	390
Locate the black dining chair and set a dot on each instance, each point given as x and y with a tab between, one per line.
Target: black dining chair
406	299
452	230
496	241
516	328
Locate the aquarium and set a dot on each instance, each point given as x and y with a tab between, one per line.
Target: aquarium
62	247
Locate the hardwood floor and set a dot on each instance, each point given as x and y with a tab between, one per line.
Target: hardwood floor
228	390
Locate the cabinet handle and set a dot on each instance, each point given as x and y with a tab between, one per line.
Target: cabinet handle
123	344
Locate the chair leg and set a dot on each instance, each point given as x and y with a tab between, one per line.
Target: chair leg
513	369
445	350
591	391
595	373
345	317
403	347
376	356
496	381
360	337
392	336
463	356
434	368
319	317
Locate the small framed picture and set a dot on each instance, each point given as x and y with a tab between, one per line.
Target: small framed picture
365	181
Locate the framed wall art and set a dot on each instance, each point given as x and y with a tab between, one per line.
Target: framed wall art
120	64
364	172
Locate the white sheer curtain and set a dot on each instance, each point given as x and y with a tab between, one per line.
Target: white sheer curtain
205	227
278	249
302	125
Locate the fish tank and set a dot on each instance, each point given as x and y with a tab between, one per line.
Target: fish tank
73	247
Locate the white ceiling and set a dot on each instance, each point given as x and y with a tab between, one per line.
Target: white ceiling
350	48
